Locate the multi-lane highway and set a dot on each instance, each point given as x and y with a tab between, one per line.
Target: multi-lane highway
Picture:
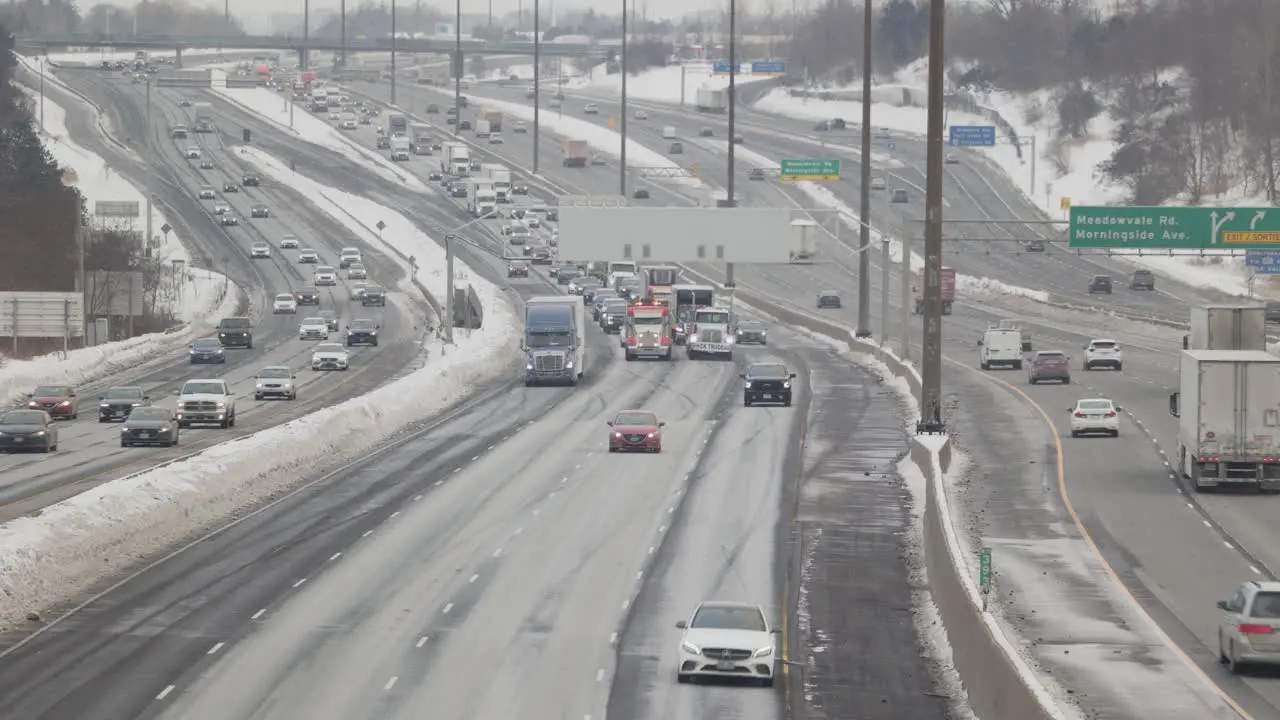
89	451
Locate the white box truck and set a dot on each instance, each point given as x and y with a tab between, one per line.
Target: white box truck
500	176
457	158
804	240
712	100
575	153
481	199
555	342
400	149
1227	327
1228	410
482	129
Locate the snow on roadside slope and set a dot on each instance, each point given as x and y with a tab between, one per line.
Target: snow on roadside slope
47	560
202	294
663	84
312	128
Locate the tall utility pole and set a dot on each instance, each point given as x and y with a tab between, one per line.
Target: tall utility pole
457	71
393	52
146	243
342	44
729	280
304	61
490	13
931	375
537	82
622	60
864	229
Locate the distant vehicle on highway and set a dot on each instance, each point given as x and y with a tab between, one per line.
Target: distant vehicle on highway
900	196
251	180
284	304
1049	365
1095	416
206	164
307	296
260	250
60	401
1142	280
259	211
828	299
520	128
330	356
221	208
518	268
228	220
207	192
1103	353
275	381
362	331
1100	284
307	256
591	109
206	350
288	242
150	426
28	431
193	153
641	115
118	402
635	431
230	187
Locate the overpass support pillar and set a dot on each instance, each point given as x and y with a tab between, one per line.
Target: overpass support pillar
302	59
457	69
177	58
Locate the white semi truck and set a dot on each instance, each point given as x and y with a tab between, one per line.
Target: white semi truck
481	199
712	333
1227	327
1228	410
500	176
712	100
804	240
456	158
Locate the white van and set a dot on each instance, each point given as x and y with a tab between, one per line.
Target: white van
669	132
1000	347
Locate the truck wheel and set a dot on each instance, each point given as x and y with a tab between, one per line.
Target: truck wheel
629	357
224	424
1017	365
232	422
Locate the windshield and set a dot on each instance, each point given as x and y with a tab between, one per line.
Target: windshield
1052	358
720	617
615	306
1094	405
695	297
363	325
285	297
123	394
604	294
373	290
203	388
768	371
549	339
22	417
275	372
314	321
324	269
712	318
52	391
149	414
646	320
329	348
308	291
236	323
751	325
206	344
636	418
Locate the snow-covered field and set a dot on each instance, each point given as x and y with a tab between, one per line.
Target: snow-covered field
201	295
46	560
664	84
1081	184
95	57
314	129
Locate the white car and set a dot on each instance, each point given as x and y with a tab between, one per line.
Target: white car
1102	353
533	222
193	153
329	356
289	242
878	183
1095	415
357	271
260	250
520	128
347	256
308	256
326	275
642	115
591	109
727	640
204	402
207	193
495	138
284	304
275	381
333	114
221	208
314	328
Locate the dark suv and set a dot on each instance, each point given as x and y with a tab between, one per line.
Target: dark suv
767	383
828	299
1142	280
1049	365
236	332
374	297
1100	284
362	331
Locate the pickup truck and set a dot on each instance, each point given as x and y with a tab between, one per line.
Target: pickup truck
206	402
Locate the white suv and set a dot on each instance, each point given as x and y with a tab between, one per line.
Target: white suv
1095	415
348	257
326	275
1103	353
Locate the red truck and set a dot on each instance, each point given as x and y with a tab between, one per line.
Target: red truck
948	292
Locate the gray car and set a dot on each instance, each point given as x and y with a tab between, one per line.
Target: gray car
613	315
150	426
1050	365
28	431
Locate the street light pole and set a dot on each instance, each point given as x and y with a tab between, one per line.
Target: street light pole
729	280
447	320
864	239
146	243
457	71
931	365
393	52
342	54
622	59
537	82
41	94
305	61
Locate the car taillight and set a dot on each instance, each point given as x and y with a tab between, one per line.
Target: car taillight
1111	413
631	340
1079	414
1251	629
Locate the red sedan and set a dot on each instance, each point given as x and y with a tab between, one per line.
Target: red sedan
635	431
57	400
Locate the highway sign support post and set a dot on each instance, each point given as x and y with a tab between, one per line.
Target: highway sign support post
864	231
1175	228
931	360
809	170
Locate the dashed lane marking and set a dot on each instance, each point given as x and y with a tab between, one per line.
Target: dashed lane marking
473	578
300	583
422	641
335	556
258	614
214	649
448	608
164	693
391	683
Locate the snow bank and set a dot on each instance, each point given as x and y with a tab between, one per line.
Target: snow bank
663	84
314	129
46	560
599	138
95	57
201	294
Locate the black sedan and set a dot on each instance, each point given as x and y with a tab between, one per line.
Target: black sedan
227	220
207	350
251	180
828	299
541	255
27	431
150	426
767	383
519	189
259	211
307	296
117	403
517	269
230	188
752	332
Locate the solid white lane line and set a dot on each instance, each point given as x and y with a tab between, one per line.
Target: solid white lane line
164	693
300	583
335	556
258	614
391	683
447	608
422	641
214	649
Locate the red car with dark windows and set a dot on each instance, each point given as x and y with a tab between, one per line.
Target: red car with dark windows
57	400
635	431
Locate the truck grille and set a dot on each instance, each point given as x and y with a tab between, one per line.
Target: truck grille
548	363
710	336
199	406
766	385
635	439
725	654
648	340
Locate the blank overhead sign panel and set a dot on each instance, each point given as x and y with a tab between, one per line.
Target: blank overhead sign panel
665	234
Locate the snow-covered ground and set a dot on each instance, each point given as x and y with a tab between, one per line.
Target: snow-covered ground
95	57
315	129
664	84
1081	184
46	560
200	295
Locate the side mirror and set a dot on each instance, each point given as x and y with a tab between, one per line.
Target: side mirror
682	625
177	392
791	376
146	397
1174	399
524	347
979	343
742	375
1119	409
293	377
1222	605
231	394
191	347
609	423
662	424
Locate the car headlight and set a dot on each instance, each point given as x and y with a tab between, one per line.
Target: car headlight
64	403
529	366
40	433
747	385
617	434
763	652
33	403
104	405
690	648
729	339
653	435
693	338
221	405
786	384
569	365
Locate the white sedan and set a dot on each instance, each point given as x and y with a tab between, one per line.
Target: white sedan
289	242
193	153
1095	416
326	275
314	328
727	640
329	356
308	256
357	271
284	304
260	250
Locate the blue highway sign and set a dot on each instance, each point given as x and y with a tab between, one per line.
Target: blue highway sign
1264	262
973	135
767	68
723	68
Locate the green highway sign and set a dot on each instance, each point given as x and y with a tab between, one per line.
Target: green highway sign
1175	228
810	170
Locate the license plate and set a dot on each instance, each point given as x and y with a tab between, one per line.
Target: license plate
724	665
18	439
144	434
768	396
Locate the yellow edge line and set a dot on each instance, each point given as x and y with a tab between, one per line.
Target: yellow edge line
1093	547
